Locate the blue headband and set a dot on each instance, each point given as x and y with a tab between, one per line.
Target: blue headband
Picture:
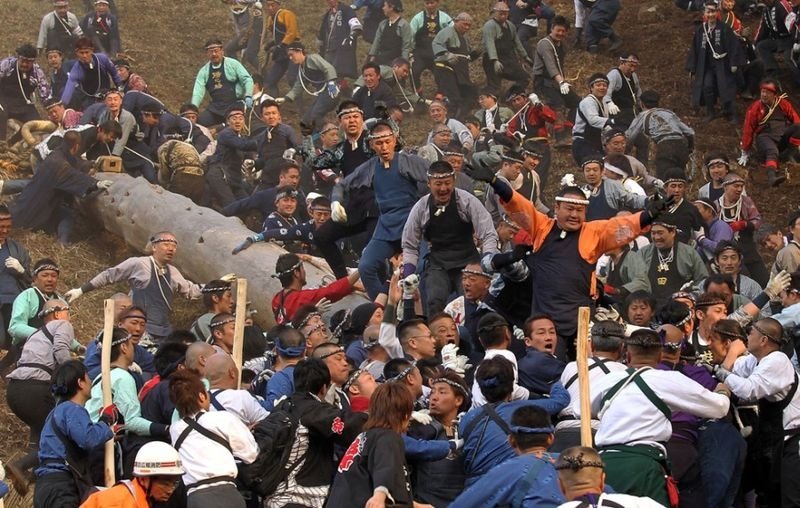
519	429
291	351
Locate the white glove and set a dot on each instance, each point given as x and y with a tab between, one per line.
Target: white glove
518	333
734	69
104	184
420	417
14	264
449	355
503	127
498	66
743	158
658	184
796	47
258	5
777	284
563	87
612	108
457	444
410	284
606	314
73	294
280	100
338	213
248	165
134	367
324	305
534	99
289	153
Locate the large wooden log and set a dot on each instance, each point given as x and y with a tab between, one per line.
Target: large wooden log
134	209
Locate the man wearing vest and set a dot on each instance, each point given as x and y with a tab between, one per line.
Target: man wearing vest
591	119
634	407
504	51
424	26
449	219
226	81
670	263
622	99
452	55
393	38
563	243
767	375
398	180
59	29
317	78
28	389
154	283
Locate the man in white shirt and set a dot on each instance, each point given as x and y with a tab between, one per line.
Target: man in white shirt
767	375
607	337
225	395
634	407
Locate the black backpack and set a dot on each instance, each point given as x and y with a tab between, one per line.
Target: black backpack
275	435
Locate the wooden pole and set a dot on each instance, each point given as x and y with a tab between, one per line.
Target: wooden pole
238	334
583	375
105	364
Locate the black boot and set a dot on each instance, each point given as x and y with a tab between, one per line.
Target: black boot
616	42
578	36
774	179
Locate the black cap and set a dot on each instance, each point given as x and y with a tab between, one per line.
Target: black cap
52	102
121	62
650	98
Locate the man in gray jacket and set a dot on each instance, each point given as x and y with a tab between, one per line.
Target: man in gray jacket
449	219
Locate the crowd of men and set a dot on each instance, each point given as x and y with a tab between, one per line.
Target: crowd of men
470	275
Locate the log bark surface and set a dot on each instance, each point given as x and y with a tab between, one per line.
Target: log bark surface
134	209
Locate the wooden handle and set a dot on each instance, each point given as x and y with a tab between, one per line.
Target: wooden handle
583	375
105	365
238	334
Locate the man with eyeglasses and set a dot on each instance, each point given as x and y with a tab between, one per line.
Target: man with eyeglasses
767	375
20	76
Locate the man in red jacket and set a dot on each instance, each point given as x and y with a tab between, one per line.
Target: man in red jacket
772	124
290	271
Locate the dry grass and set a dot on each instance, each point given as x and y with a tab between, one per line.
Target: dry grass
165	39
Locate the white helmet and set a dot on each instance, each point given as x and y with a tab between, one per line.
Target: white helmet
157	458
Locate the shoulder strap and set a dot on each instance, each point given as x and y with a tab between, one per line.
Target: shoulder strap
652	397
474	422
47	334
496	419
634	377
598	362
215	402
100	377
783	404
195	425
525	485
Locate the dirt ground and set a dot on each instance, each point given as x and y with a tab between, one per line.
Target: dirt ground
164	40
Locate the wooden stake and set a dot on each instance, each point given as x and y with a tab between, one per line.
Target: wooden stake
238	334
105	365
583	375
